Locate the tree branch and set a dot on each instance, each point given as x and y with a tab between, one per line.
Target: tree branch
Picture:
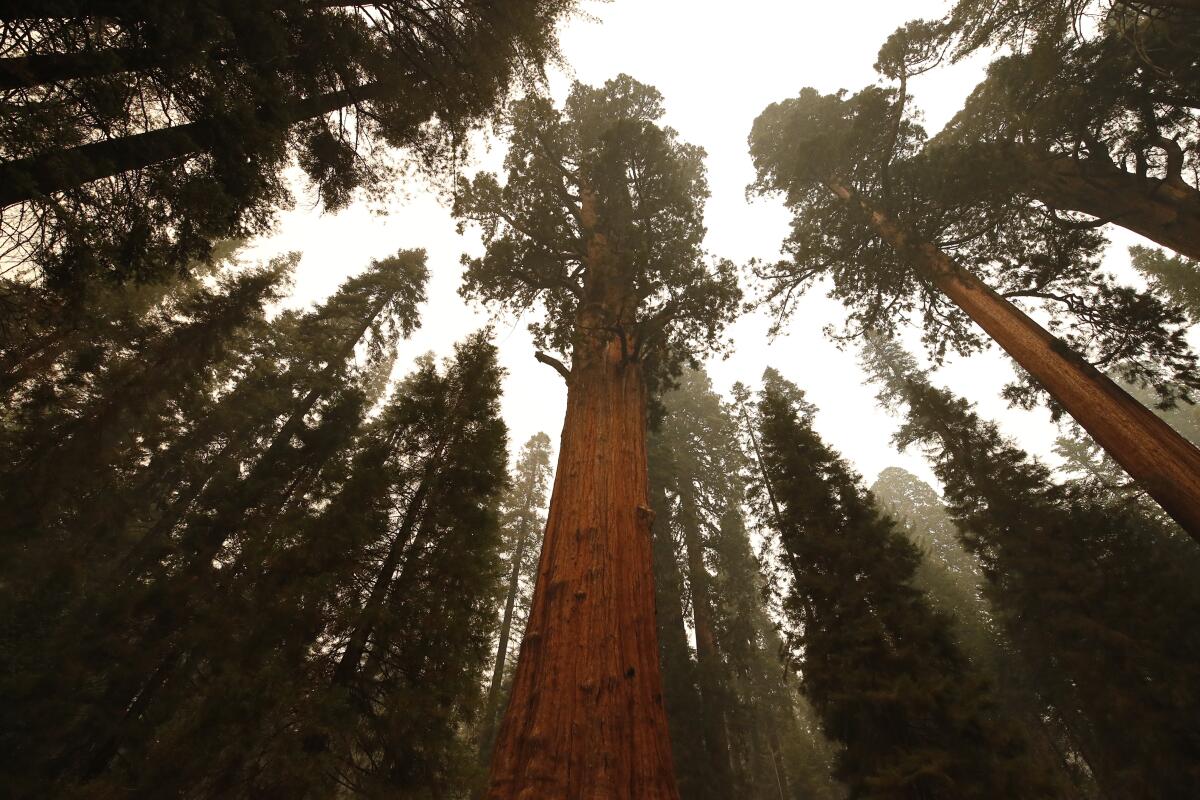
551	361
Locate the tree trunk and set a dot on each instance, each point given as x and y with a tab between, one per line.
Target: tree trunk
1162	462
510	603
1164	211
586	716
25	72
347	666
707	658
37	176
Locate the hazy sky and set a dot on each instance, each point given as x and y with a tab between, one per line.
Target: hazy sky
718	65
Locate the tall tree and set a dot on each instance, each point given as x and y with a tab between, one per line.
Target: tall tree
954	583
599	221
191	508
750	741
1174	277
522	520
137	132
851	168
1076	580
877	662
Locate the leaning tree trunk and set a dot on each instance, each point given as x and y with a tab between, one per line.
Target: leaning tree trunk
1166	211
48	173
585	716
1162	462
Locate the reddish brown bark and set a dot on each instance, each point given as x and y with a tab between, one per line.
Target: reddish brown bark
1162	462
586	716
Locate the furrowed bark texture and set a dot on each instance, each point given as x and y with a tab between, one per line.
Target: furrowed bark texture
1162	462
586	716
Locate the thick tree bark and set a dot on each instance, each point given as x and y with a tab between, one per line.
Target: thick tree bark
48	173
586	716
1164	211
707	657
1162	462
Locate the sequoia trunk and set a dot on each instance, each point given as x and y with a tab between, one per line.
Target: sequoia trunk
586	716
1164	211
1162	462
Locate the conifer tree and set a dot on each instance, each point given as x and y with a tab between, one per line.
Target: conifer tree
138	132
877	662
954	584
522	521
600	222
745	739
855	173
191	508
1174	277
1076	580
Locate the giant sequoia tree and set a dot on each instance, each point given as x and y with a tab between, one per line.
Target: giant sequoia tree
1077	578
897	242
600	221
878	663
137	132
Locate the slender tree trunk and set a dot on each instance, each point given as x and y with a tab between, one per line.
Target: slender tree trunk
348	664
37	176
707	657
586	717
510	603
25	72
232	516
1163	463
1164	211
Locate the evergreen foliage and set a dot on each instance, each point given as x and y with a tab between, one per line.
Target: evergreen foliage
736	727
229	581
1174	277
872	143
878	663
138	132
1078	578
523	519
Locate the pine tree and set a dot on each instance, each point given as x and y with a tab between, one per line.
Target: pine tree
522	521
138	132
1076	580
877	662
600	222
856	174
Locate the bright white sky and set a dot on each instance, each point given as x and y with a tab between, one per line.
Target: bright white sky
718	65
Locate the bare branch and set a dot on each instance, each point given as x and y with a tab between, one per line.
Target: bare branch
551	361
